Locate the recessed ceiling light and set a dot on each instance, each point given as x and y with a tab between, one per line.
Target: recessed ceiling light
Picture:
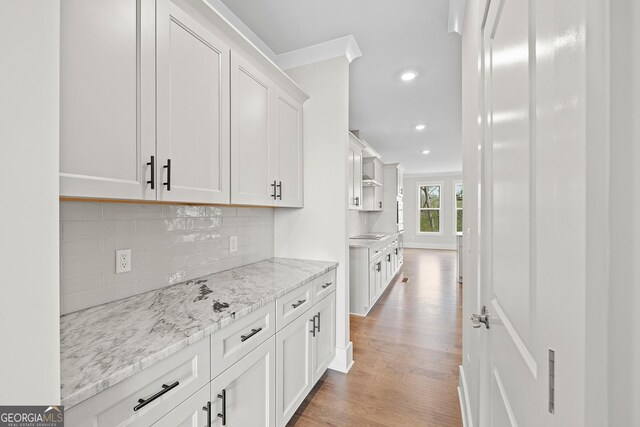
421	127
425	152
408	76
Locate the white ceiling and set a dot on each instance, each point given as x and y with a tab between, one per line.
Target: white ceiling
394	36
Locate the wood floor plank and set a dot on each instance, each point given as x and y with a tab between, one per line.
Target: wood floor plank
406	352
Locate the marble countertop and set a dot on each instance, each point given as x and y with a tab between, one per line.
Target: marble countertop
367	243
104	345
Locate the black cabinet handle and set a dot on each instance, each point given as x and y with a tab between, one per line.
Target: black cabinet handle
208	411
379	266
380	205
165	388
388	257
280	190
223	414
357	201
326	285
299	303
243	338
152	165
274	189
318	315
168	168
313	328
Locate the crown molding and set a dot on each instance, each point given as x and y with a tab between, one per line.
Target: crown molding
456	15
343	46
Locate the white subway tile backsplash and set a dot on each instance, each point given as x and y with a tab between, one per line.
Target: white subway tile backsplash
169	244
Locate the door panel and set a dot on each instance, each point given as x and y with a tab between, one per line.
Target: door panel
189	413
324	344
193	109
507	282
293	367
249	387
252	150
289	143
107	98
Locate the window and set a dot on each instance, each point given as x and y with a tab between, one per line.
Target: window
458	208
429	208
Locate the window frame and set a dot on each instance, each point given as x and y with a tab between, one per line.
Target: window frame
456	209
440	231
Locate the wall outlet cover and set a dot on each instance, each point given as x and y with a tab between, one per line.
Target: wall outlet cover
233	244
123	261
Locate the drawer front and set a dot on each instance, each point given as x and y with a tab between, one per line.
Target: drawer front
164	385
293	304
324	285
235	341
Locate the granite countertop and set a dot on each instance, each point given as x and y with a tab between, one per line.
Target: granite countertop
367	243
104	345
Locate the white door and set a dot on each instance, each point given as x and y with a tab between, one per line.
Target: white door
107	98
357	178
350	175
193	110
253	172
532	371
288	140
190	413
324	342
375	279
243	395
294	375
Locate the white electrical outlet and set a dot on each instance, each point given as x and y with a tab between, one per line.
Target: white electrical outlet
123	261
233	244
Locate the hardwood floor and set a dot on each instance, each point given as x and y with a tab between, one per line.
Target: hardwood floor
406	352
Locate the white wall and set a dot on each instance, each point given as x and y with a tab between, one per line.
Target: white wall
319	230
29	115
446	239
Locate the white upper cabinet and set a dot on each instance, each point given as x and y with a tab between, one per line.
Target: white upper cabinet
400	180
107	98
354	172
266	140
253	173
193	110
288	132
168	103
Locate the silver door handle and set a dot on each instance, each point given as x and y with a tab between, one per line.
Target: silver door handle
480	319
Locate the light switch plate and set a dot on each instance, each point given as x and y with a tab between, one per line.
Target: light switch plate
123	261
233	244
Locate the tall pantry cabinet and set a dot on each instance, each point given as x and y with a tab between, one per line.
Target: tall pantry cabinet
164	100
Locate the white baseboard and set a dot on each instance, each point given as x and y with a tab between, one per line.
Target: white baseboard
463	396
343	360
440	246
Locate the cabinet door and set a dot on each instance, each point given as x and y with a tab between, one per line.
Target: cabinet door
378	196
293	366
289	142
193	110
350	176
190	413
357	178
107	98
324	343
400	180
253	155
374	281
245	393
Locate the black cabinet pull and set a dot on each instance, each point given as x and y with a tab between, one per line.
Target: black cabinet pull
223	414
165	388
326	285
243	338
207	409
280	190
274	189
299	303
388	257
379	266
313	328
168	168
380	205
152	165
318	315
357	201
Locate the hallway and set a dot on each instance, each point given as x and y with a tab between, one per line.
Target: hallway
406	352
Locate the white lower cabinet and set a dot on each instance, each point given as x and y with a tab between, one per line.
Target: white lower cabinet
324	347
193	412
293	366
244	394
249	374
